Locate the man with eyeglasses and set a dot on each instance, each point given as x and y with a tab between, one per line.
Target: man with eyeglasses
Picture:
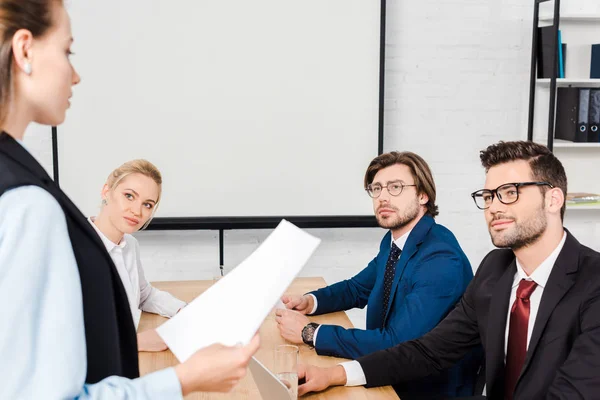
534	303
415	280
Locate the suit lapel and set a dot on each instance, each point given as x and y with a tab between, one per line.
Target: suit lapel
497	328
415	238
406	255
559	282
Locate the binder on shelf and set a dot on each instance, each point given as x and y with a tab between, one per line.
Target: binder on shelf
583	115
595	63
567	115
594	121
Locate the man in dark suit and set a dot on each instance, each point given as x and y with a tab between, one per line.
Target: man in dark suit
534	304
415	280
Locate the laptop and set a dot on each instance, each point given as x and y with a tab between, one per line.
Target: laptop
269	386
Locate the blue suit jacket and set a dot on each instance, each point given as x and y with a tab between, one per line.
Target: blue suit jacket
431	276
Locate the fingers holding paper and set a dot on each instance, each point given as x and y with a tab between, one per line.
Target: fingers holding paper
290	324
216	368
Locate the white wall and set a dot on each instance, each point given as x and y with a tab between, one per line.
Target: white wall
457	75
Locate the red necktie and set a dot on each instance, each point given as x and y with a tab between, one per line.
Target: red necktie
517	337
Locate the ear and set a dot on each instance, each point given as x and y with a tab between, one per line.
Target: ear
22	42
423	199
555	198
105	190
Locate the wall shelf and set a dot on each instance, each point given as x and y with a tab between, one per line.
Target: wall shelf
566	82
574	17
574	145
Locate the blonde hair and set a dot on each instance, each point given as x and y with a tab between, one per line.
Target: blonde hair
139	166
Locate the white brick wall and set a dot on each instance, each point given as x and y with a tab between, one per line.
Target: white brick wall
457	75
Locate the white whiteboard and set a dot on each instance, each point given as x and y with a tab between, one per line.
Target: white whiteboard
248	108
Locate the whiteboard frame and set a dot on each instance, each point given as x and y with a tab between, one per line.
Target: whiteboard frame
270	222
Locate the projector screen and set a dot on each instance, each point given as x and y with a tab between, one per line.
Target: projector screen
248	108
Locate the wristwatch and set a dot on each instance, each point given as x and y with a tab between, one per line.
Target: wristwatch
308	333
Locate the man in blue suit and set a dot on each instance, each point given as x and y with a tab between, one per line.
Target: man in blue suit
416	279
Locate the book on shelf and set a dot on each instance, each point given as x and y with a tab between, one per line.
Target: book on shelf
548	50
582	198
595	63
562	49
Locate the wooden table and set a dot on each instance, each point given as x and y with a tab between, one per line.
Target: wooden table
269	335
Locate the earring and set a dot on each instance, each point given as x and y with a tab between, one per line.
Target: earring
27	68
104	202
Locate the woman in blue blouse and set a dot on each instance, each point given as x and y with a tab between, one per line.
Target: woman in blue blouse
66	329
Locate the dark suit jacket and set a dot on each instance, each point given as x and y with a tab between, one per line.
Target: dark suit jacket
431	276
111	345
563	357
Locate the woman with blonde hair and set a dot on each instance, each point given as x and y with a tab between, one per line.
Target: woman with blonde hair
130	198
66	330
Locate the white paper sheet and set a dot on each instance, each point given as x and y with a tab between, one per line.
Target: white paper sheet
232	310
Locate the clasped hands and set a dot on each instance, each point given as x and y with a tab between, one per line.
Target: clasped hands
290	322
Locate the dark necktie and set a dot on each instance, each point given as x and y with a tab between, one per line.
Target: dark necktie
517	336
388	277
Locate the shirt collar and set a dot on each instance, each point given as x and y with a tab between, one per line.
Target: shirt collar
401	241
541	273
110	245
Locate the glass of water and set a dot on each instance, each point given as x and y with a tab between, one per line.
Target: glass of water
286	367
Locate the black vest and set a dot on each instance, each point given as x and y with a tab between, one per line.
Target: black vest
109	331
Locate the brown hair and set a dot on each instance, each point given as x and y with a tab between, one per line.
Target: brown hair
139	166
544	165
33	15
418	167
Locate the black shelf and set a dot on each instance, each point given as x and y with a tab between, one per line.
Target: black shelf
533	74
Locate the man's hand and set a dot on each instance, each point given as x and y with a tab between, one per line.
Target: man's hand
318	378
150	341
290	324
302	304
216	368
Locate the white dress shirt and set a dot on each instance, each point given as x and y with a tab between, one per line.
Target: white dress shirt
42	337
539	276
356	377
140	294
354	374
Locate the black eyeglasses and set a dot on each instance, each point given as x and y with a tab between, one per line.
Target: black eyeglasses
507	193
394	189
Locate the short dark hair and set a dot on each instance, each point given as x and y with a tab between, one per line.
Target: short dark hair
419	169
544	165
